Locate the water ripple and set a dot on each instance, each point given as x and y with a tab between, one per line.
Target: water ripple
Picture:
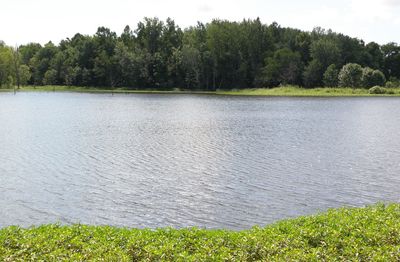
213	162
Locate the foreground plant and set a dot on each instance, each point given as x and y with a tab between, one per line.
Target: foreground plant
361	234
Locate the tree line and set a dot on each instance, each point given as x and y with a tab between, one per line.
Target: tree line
217	55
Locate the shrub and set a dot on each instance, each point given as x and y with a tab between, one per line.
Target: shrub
50	77
372	78
350	75
331	76
390	84
377	90
393	83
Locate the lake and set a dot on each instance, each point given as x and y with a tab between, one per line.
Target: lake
142	160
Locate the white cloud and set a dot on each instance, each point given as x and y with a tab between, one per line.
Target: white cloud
393	3
22	21
204	8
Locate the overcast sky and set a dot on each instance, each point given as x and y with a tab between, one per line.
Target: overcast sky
23	21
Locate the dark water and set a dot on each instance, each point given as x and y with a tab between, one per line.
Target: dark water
185	160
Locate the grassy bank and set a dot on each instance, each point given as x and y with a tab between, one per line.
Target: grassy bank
296	91
279	91
103	90
361	234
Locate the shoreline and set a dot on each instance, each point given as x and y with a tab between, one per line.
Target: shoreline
363	234
261	92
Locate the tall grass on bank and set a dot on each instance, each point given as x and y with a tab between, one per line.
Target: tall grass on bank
358	234
298	91
278	91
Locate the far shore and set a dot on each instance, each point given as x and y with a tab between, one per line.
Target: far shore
288	91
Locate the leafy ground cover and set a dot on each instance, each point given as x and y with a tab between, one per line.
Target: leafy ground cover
346	234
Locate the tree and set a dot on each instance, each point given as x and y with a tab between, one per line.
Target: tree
41	61
148	34
352	50
302	45
196	37
254	44
6	66
372	78
190	62
224	46
326	51
331	76
50	77
128	38
71	75
219	54
25	74
391	61
171	37
350	75
312	75
284	67
28	51
375	55
105	69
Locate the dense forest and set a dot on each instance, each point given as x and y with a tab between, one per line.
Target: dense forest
217	55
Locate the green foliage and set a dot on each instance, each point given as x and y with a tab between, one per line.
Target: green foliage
374	55
9	83
350	75
224	45
283	68
377	90
391	61
313	73
331	76
190	62
326	51
277	91
6	66
393	83
372	78
217	55
50	77
24	74
360	234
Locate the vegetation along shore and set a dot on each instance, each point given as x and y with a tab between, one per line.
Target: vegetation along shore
361	234
217	55
277	91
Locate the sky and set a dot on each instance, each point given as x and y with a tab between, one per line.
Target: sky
24	21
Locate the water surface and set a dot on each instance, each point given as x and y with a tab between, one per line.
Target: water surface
185	160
